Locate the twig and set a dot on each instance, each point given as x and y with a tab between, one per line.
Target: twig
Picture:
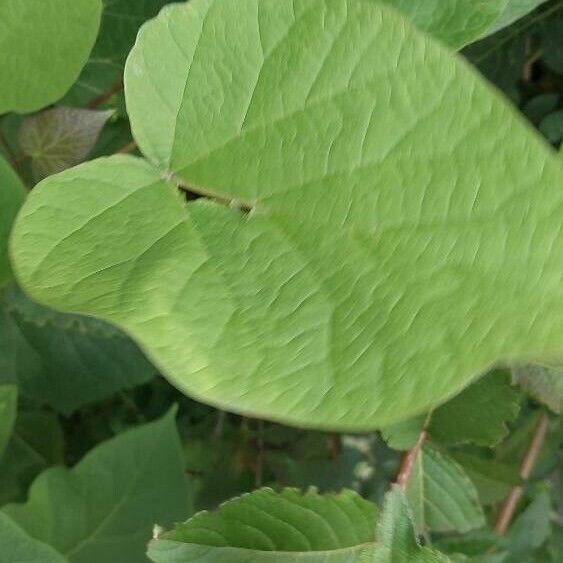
259	475
105	95
334	442
511	502
408	460
129	147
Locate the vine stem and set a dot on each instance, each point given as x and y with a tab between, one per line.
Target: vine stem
105	95
511	502
408	460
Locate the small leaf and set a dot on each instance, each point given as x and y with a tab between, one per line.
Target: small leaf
285	527
479	413
20	547
45	44
403	435
551	127
61	137
396	539
12	195
543	383
8	409
455	22
441	495
111	498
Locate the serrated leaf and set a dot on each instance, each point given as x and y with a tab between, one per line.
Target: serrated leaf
378	273
278	527
479	413
12	195
396	539
45	44
441	495
543	383
118	490
8	409
64	360
19	547
60	137
455	22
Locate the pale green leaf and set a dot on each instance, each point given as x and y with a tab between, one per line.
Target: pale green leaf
278	527
12	195
441	495
60	137
479	413
455	22
18	547
543	383
8	409
104	508
396	540
63	360
514	10
44	45
377	274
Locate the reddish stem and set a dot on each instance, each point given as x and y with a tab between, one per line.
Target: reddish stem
511	502
408	460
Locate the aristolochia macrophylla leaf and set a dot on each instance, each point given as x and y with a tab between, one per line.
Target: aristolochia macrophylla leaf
44	45
404	231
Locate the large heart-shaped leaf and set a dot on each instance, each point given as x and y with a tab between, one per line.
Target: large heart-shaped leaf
44	45
404	230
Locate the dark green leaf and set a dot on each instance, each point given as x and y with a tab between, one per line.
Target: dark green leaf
68	360
12	195
104	508
16	546
8	409
479	413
